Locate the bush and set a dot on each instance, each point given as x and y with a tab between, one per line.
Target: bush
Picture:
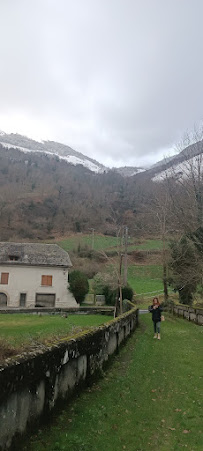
110	295
78	285
127	292
168	304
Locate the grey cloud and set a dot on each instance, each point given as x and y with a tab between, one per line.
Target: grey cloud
119	80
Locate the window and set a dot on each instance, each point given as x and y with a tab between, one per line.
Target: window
4	278
47	281
13	258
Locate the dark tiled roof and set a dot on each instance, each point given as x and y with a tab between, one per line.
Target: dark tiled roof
33	254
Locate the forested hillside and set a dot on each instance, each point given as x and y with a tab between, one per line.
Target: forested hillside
42	197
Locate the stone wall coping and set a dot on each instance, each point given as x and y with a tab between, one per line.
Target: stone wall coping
57	310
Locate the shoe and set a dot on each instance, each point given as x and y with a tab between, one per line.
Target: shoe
159	337
155	336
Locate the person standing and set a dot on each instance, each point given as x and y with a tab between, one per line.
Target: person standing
156	310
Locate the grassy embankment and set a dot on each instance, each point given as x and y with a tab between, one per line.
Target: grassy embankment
149	399
22	331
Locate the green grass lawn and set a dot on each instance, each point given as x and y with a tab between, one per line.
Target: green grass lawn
149	399
19	329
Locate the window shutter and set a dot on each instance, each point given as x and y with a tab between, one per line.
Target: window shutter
4	278
47	281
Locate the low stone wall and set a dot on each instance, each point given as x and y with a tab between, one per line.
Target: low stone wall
89	310
189	313
32	384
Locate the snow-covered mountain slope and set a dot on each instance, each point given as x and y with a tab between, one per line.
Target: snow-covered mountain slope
51	148
162	162
128	171
62	151
187	163
182	170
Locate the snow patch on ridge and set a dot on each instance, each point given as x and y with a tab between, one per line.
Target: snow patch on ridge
71	159
181	170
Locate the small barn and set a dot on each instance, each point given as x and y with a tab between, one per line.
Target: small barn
34	275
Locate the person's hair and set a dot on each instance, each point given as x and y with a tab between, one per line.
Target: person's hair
156	299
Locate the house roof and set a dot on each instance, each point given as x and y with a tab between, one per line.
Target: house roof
33	254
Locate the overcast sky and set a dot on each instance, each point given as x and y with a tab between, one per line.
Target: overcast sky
118	80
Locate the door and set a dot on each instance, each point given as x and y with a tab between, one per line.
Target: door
45	300
22	299
3	300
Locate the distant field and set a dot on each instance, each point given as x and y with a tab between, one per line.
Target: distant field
145	278
150	245
103	242
100	242
19	329
146	245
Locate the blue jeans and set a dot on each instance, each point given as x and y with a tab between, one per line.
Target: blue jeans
157	326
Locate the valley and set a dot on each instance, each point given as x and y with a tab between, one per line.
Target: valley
46	198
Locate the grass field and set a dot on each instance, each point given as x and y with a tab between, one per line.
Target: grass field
21	329
102	242
145	278
147	245
149	399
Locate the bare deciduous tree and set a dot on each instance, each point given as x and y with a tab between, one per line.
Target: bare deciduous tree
185	181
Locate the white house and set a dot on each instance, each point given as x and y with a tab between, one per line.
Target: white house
34	275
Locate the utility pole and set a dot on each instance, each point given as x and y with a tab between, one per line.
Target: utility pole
125	273
120	284
119	300
93	230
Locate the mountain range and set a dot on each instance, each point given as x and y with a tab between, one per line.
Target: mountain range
71	156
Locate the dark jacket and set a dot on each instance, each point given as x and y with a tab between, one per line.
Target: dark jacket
156	313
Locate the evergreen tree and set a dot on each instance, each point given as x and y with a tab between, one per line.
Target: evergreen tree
78	285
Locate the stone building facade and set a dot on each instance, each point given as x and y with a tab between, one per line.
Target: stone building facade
34	275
